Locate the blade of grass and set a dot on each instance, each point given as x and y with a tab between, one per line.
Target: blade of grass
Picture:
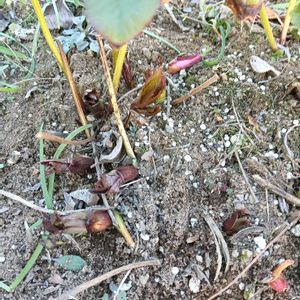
46	32
4	286
114	103
162	40
59	151
30	263
14	53
74	89
287	21
118	66
36	224
267	27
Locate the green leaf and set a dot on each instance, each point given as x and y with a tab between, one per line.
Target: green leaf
120	20
71	262
4	286
295	16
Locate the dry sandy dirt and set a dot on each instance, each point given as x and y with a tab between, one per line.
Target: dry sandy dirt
193	173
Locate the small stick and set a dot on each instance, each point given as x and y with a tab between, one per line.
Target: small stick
75	92
42	135
245	177
256	258
196	90
276	190
96	281
113	100
46	210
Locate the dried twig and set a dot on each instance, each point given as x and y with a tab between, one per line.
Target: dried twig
99	279
120	285
255	259
43	135
288	149
74	89
245	177
196	90
46	210
276	190
114	100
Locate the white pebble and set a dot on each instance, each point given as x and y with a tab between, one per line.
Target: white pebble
193	130
2	259
187	158
193	222
145	237
166	158
227	144
242	286
262	87
202	126
195	185
289	175
194	285
296	122
283	130
260	242
175	270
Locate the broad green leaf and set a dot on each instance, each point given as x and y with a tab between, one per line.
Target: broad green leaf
71	262
120	20
295	16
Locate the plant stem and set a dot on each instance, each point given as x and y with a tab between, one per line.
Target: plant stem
267	28
48	37
120	55
287	21
74	89
122	229
114	103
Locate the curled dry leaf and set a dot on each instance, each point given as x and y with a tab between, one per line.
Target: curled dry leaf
147	155
244	10
77	222
151	94
236	221
77	165
277	281
65	16
183	62
111	182
261	66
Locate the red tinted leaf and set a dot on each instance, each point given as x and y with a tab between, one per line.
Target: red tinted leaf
111	182
243	10
236	221
127	74
183	62
279	285
151	92
77	165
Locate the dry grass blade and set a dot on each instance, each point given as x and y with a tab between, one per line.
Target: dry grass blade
114	100
96	281
255	259
42	135
46	210
196	90
220	239
74	89
276	190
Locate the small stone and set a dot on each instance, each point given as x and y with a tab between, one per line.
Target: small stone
260	242
2	259
296	122
194	285
242	286
169	129
199	259
192	130
227	144
296	230
235	253
175	271
202	126
262	87
193	222
145	237
146	52
187	158
166	158
144	278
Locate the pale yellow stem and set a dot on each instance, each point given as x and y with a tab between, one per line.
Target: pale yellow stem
287	21
46	32
118	66
267	28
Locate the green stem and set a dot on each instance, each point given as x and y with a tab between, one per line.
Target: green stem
267	28
287	21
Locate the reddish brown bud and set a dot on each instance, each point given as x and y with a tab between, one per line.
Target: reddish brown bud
78	165
98	221
236	221
183	62
111	182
